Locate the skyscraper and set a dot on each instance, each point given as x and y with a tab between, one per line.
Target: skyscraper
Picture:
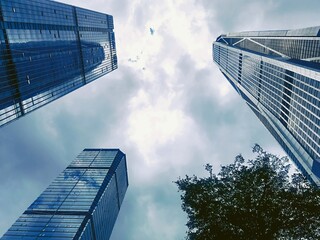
277	73
48	49
81	203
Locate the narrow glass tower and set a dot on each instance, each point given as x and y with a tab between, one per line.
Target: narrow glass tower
278	74
81	203
48	49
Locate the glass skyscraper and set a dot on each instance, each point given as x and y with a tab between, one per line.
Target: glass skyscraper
277	73
48	49
81	203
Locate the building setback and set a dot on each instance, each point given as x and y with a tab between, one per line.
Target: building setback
277	73
81	203
47	50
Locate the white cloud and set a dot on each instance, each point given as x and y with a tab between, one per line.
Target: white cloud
171	111
153	122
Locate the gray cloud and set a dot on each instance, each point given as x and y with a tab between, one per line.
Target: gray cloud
211	122
245	15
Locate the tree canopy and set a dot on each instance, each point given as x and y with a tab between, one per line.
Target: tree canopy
253	199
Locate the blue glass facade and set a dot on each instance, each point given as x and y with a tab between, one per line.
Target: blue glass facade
81	203
278	75
48	49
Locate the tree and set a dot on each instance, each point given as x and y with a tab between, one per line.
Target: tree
254	199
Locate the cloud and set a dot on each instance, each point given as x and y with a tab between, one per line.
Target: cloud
170	118
225	16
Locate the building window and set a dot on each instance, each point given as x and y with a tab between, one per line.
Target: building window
28	79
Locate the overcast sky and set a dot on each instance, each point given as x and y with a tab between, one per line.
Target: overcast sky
171	112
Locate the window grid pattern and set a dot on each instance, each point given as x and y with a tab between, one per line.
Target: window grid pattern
72	190
293	48
48	49
88	233
33	226
305	164
106	205
86	192
290	96
268	87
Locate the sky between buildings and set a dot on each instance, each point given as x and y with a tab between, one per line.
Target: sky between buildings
167	107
